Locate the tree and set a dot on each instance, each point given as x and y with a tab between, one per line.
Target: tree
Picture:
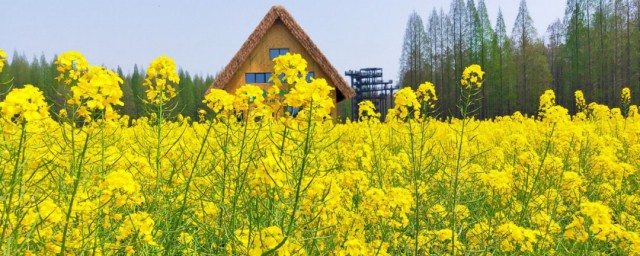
414	53
459	24
448	62
186	95
472	32
434	51
485	36
501	70
554	57
137	91
532	72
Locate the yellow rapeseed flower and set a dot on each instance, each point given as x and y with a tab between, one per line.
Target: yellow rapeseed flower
24	104
626	96
219	100
140	226
293	68
247	97
160	75
3	58
472	77
71	65
581	104
367	110
314	98
97	89
406	103
185	238
426	94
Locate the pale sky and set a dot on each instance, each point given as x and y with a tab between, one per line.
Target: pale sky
202	36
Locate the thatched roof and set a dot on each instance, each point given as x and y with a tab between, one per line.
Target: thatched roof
280	13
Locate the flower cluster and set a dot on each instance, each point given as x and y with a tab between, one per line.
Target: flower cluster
549	111
138	227
3	59
160	75
219	100
97	89
426	93
367	110
292	67
626	95
24	104
94	89
314	98
119	188
515	238
581	103
472	77
406	104
547	100
249	102
71	65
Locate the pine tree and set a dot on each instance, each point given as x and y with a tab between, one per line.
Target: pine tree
472	33
501	70
414	53
532	72
434	51
485	36
447	73
459	24
554	57
137	92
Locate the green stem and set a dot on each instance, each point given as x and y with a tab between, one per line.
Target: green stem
464	111
76	183
298	183
239	180
12	184
186	191
159	146
529	194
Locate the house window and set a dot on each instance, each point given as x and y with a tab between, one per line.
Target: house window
293	111
257	78
310	75
275	52
261	78
250	78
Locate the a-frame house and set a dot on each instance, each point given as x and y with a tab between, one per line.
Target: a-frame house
277	34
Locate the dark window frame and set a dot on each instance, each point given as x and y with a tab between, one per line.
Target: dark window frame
257	78
277	52
310	75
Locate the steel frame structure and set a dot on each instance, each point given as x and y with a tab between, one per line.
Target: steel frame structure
369	85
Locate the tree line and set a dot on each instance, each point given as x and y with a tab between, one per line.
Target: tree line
41	73
594	48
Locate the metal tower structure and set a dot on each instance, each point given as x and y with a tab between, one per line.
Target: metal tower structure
369	85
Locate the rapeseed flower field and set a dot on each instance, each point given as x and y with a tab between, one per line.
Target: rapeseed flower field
250	178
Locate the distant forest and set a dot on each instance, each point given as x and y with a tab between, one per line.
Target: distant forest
594	48
41	73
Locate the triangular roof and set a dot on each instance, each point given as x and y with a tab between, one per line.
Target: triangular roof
280	13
